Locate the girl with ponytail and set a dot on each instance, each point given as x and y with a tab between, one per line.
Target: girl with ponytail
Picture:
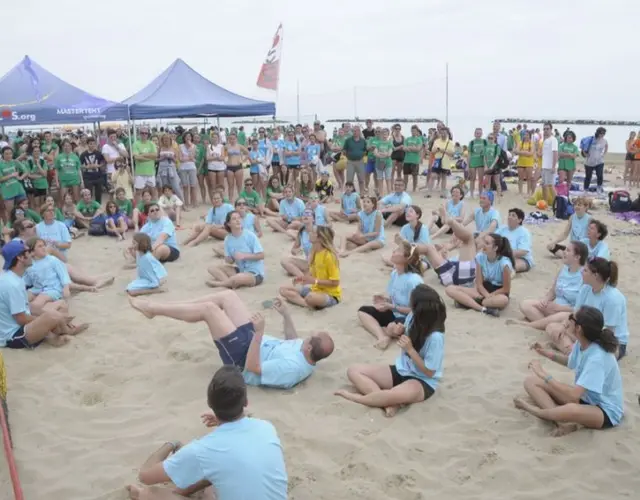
494	266
595	399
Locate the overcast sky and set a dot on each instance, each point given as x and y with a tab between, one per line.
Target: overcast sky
551	58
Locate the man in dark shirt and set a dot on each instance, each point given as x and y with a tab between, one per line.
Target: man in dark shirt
369	131
93	165
355	147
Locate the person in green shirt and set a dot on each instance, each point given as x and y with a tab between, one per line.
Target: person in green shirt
384	165
36	168
124	205
491	155
88	208
253	199
476	161
11	175
32	215
201	166
413	147
370	167
49	148
68	171
274	194
567	154
242	137
145	155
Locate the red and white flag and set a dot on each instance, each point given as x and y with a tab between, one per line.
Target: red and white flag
270	71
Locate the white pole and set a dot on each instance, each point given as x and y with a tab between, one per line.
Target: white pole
298	102
446	120
355	103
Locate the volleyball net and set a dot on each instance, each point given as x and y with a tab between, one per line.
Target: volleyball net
6	433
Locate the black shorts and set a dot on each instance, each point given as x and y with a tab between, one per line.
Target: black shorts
410	168
400	221
233	168
606	423
19	341
629	157
174	253
489	287
397	379
384	318
398	156
439	224
557	248
275	164
36	191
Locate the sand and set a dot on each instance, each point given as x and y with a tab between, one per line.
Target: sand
86	416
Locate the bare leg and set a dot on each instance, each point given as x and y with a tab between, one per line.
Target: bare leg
406	393
370	324
294	266
542	323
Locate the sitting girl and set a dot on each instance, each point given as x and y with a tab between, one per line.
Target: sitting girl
171	204
305	185
387	310
350	205
125	206
370	233
47	277
413	232
454	209
213	225
141	212
298	266
319	211
596	233
320	287
243	255
116	222
151	273
494	266
250	222
595	400
274	193
415	375
575	229
562	296
70	215
291	209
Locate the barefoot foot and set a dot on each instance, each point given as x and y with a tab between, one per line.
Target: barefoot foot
134	492
350	396
57	340
105	282
76	330
390	411
382	344
563	430
142	306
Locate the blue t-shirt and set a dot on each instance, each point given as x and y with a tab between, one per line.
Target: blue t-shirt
432	352
568	286
263	147
320	215
349	203
407	233
493	271
48	275
249	222
598	373
396	199
218	215
247	242
54	232
162	226
400	287
292	208
277	146
241	459
255	158
454	210
13	300
484	219
282	363
150	272
601	249
519	239
579	227
368	224
613	306
305	242
313	152
291	146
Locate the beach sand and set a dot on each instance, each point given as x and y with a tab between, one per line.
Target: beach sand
86	416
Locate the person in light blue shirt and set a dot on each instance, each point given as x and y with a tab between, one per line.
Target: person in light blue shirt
312	150
243	255
595	400
291	150
370	233
151	273
297	265
486	218
575	229
394	205
241	458
291	210
454	209
162	233
596	233
55	234
350	205
320	211
249	220
47	278
560	299
520	240
417	371
393	307
413	232
213	225
494	265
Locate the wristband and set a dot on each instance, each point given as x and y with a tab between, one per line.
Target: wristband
548	379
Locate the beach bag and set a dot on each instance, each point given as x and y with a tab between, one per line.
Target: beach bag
585	145
562	207
98	227
503	160
620	201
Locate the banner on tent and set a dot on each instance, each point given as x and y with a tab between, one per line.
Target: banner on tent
8	115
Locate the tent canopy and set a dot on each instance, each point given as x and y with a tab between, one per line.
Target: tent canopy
181	92
30	95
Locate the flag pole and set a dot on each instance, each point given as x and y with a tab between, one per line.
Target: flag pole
446	119
298	101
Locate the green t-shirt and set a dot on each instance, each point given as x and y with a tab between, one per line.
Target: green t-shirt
490	153
32	215
125	206
200	154
145	167
141	204
253	199
68	167
476	152
39	182
567	163
385	147
88	209
355	150
46	148
413	157
11	187
372	142
59	215
271	190
242	138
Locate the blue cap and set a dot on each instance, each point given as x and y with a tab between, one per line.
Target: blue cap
10	251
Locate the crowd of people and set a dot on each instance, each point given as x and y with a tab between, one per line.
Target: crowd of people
59	195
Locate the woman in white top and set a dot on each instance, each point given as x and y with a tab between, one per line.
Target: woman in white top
188	170
215	164
112	151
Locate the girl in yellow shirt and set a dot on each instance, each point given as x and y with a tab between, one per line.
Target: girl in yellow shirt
320	287
525	162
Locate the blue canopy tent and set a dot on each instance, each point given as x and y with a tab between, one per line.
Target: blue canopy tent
30	95
181	92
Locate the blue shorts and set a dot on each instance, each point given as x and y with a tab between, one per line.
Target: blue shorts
19	341
254	170
233	348
258	277
370	167
69	223
384	173
330	302
295	166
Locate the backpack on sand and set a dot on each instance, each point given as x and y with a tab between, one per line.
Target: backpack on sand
620	201
562	207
